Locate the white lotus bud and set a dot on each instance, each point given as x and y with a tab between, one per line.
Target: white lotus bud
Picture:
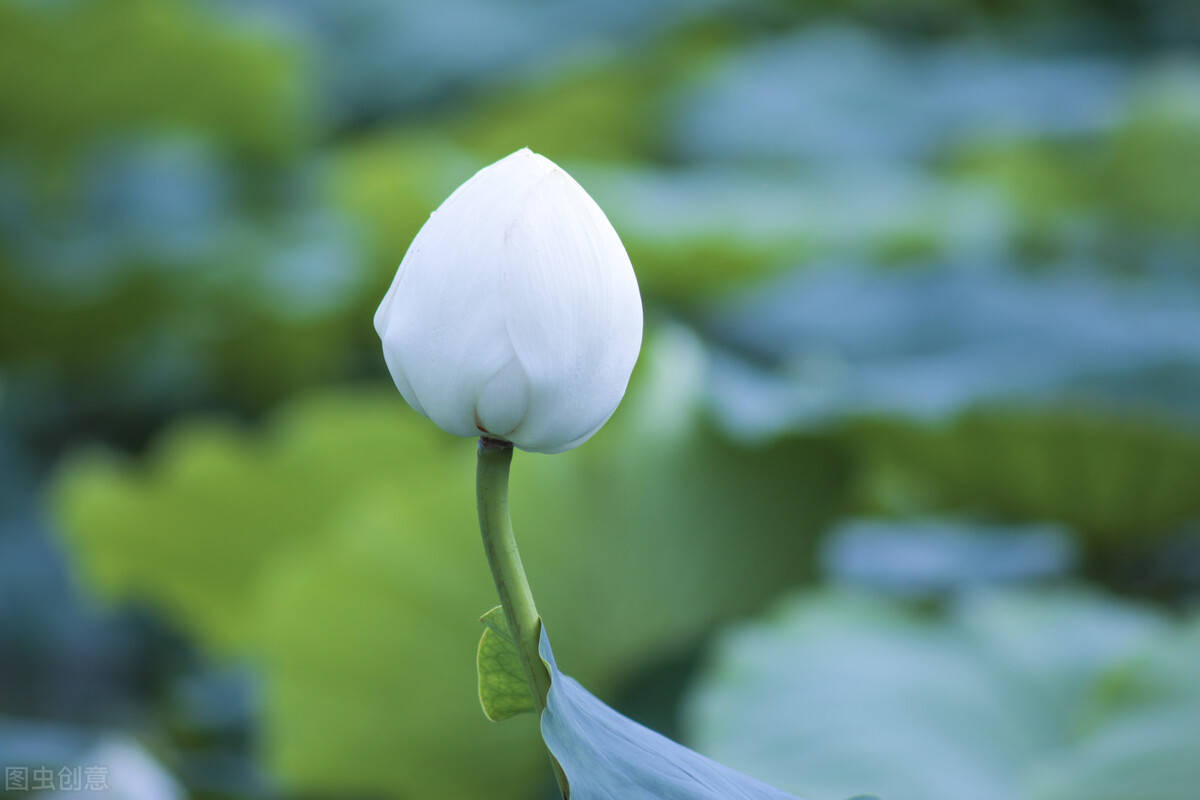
515	313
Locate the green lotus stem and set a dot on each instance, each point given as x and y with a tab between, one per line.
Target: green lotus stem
520	612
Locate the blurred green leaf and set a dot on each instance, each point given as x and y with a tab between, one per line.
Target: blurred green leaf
365	641
1118	480
339	550
928	557
150	65
997	698
194	528
1117	192
503	689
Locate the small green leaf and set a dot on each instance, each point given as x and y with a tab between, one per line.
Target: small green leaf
503	690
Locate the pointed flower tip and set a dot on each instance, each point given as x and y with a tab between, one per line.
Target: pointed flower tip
530	160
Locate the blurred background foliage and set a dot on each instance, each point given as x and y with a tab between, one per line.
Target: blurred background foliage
904	495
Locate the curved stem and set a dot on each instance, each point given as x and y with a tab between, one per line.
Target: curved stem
524	624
